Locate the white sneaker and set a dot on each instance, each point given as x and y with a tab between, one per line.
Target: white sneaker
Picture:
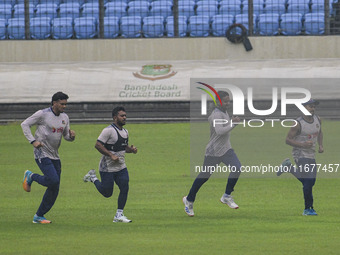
121	218
90	176
189	207
228	200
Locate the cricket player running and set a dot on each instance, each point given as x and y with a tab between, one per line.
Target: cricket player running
52	124
303	138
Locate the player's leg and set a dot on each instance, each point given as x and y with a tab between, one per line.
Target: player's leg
51	179
230	159
202	177
105	186
308	168
121	178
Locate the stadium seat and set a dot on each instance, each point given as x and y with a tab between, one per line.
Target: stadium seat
314	23
274	8
186	8
47	10
291	23
85	27
90	10
298	6
319	6
257	9
69	9
207	10
62	28
16	28
268	24
207	2
160	10
233	8
57	2
111	27
116	9
5	11
131	26
153	26
243	19
3	29
138	8
40	28
80	2
11	2
199	26
220	23
182	26
19	10
276	2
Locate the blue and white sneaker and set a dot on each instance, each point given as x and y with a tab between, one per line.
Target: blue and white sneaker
188	207
121	218
40	220
285	166
90	176
309	212
27	181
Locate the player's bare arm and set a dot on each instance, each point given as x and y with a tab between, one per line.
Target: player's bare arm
290	139
100	147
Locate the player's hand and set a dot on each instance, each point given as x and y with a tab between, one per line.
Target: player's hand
236	119
307	144
133	149
37	144
114	158
320	149
72	134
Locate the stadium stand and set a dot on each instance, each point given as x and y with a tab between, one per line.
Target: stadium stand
62	28
220	23
268	24
85	27
3	29
111	27
40	27
16	28
314	23
131	26
199	26
291	24
182	26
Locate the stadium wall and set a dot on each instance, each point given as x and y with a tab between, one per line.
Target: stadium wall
295	47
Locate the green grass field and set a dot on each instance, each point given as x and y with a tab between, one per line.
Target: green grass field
269	220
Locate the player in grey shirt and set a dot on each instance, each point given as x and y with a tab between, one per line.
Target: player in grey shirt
52	124
303	138
217	150
112	143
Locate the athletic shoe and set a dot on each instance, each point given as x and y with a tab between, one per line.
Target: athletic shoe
284	167
228	200
188	207
121	218
90	176
27	181
309	212
41	220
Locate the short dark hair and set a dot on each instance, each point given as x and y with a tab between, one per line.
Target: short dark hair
59	96
222	94
116	110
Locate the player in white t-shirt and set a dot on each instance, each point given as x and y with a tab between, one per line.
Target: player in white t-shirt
112	143
52	124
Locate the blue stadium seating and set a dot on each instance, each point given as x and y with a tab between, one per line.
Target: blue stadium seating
40	27
116	9
268	24
233	8
257	9
276	2
243	19
314	23
47	10
90	10
11	2
16	28
220	23
5	11
19	10
199	26
138	8
62	28
85	27
207	10
69	9
182	26
153	26
291	23
111	27
186	8
160	10
131	26
274	8
3	29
